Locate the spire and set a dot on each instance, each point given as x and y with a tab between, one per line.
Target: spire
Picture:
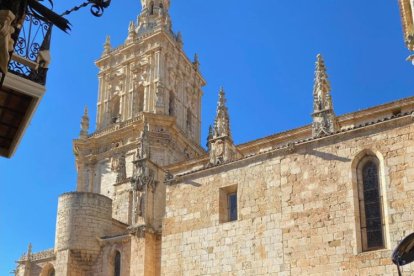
84	124
107	45
222	122
131	33
154	15
29	249
221	148
324	120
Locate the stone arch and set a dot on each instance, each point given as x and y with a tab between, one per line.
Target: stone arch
48	270
358	164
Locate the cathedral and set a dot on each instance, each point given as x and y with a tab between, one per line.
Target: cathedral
330	198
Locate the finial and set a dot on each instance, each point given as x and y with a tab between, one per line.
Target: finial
107	45
222	122
29	251
196	62
180	39
131	33
324	120
84	124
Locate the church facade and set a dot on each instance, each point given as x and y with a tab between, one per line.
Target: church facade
330	198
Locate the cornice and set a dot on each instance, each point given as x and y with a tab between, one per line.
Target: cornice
290	147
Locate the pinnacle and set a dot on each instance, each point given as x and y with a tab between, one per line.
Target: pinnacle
222	97
321	77
108	40
131	26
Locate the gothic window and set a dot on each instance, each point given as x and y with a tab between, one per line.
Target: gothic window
370	204
117	264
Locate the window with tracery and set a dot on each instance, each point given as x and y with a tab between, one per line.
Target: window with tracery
370	205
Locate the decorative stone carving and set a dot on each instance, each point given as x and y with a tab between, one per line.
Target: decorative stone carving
160	95
84	124
154	15
132	35
6	41
143	151
107	45
143	179
196	62
324	120
121	169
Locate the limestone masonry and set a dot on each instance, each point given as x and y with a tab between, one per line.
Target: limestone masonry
330	198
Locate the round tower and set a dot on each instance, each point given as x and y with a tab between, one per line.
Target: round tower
81	219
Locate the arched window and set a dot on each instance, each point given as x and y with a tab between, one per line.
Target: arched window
152	8
370	204
117	264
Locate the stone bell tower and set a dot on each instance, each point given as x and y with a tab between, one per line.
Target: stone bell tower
148	81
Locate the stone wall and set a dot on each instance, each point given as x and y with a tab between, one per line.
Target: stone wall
297	210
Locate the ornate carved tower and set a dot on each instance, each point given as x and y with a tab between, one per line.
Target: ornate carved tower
150	79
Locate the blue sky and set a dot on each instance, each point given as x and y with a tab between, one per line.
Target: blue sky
262	52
